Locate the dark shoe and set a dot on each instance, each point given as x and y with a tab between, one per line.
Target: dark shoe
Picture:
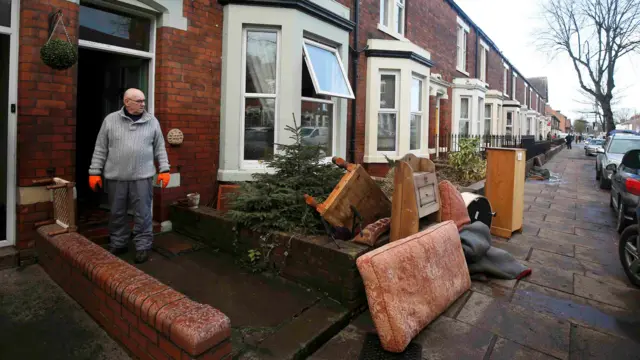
142	256
118	251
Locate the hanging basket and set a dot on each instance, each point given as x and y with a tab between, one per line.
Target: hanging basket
59	54
56	53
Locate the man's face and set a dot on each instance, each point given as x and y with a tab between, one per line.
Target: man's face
135	102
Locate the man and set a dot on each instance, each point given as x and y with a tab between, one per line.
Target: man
569	139
127	144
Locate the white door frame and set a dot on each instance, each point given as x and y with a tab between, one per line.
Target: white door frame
12	124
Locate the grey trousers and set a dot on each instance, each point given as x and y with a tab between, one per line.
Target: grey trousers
138	195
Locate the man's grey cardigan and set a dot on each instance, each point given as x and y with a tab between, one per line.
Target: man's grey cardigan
125	149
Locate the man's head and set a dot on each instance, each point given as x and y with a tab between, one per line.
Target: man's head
134	101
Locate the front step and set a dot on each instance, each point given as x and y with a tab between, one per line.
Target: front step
8	257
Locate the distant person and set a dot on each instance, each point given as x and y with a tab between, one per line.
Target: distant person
129	141
569	139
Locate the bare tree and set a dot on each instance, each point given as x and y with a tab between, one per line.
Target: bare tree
621	115
595	34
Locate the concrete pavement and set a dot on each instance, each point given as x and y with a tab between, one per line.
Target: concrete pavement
577	304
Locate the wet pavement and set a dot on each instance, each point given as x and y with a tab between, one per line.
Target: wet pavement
577	304
38	320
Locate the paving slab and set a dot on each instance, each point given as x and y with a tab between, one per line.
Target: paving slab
573	239
599	256
569	229
609	273
535	330
550	277
606	236
446	338
38	320
579	310
553	260
543	244
518	251
509	350
607	293
590	344
575	223
493	290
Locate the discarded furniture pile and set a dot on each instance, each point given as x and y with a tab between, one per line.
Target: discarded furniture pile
429	241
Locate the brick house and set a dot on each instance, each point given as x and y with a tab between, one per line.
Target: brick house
368	78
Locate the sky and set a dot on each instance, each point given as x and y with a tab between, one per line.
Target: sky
512	28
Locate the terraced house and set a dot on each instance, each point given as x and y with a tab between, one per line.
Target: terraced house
367	78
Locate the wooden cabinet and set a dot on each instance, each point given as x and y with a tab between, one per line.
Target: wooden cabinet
504	189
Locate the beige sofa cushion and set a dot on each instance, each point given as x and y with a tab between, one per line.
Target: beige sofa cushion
411	281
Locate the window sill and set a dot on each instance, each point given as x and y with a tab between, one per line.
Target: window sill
392	33
462	72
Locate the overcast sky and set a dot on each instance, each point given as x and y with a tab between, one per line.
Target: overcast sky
512	29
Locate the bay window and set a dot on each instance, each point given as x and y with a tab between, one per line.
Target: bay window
397	106
416	114
388	112
260	93
261	42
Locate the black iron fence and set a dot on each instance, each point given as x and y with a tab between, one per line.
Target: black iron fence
445	144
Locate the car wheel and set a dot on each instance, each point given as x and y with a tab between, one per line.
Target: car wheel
621	222
597	173
604	183
628	253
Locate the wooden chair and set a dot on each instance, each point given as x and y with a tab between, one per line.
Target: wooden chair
415	196
64	210
357	196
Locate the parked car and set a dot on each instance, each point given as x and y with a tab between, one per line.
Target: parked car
629	240
625	182
611	154
592	147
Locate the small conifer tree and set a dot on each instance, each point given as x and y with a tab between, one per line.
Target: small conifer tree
275	201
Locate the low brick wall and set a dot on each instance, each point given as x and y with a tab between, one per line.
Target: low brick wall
151	320
313	261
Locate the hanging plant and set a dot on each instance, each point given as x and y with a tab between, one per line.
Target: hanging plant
56	53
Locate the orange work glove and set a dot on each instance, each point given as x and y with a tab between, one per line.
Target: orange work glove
95	181
164	179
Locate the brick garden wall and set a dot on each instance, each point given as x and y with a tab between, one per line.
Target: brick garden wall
150	320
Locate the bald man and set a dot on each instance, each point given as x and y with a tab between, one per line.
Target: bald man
129	141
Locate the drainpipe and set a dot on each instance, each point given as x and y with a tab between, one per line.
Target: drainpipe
438	97
355	54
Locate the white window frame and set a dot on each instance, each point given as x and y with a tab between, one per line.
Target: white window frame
484	57
334	103
468	119
12	123
461	44
514	85
149	55
505	80
487	129
314	78
258	164
420	112
396	110
388	14
506	122
399	27
526	95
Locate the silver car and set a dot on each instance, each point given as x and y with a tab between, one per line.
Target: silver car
592	147
611	154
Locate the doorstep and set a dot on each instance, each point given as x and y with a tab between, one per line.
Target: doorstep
8	257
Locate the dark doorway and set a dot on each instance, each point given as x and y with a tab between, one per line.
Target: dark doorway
102	80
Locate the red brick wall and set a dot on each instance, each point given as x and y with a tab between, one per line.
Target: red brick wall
46	112
495	71
188	76
46	97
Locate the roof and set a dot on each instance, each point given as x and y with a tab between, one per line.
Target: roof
541	84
